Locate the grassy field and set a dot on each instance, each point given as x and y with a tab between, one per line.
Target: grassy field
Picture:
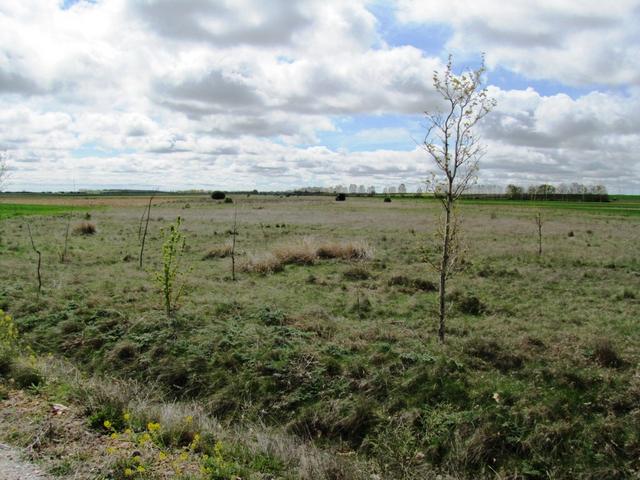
538	379
8	210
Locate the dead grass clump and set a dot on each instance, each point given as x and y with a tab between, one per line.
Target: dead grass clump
84	228
264	265
302	253
605	354
353	250
221	251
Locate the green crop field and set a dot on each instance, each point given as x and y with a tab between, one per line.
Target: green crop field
8	210
312	349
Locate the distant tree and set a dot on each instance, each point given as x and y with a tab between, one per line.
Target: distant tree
362	189
371	190
385	190
392	190
455	149
402	189
514	191
341	197
218	195
419	191
353	188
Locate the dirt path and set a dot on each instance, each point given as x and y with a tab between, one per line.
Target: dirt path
13	468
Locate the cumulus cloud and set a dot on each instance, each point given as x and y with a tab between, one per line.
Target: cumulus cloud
202	93
585	43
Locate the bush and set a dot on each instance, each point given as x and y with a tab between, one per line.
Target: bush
218	195
467	303
387	199
228	200
412	284
26	376
84	228
341	197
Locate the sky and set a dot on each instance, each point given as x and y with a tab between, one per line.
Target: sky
279	94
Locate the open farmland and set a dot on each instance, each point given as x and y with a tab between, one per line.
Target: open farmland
538	378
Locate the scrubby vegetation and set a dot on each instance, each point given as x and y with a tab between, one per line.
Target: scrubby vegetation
329	366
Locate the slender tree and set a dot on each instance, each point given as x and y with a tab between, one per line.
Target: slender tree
234	233
455	149
35	249
143	238
539	223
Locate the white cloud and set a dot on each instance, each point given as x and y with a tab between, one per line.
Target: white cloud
577	43
122	93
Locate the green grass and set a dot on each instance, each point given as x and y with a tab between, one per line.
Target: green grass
525	384
8	210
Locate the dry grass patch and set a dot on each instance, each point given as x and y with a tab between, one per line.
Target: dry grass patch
85	228
264	265
221	251
351	250
301	253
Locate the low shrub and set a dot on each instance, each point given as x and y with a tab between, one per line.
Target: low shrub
387	199
467	303
84	228
341	197
26	375
218	195
228	200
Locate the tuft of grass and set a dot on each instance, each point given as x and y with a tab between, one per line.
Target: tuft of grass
222	251
84	228
351	250
264	265
606	355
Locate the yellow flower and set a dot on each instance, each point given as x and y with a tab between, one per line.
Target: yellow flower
128	431
184	456
126	416
153	427
107	424
137	459
144	438
114	435
128	472
111	450
189	419
140	469
162	456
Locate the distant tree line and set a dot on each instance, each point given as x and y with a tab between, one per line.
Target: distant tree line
565	191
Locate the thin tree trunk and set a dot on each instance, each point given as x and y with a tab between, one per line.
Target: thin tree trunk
444	267
539	223
33	245
233	245
144	235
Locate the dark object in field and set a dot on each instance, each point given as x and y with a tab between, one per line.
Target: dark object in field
341	197
218	195
467	303
85	228
228	200
87	216
571	234
412	283
494	353
605	354
387	199
356	273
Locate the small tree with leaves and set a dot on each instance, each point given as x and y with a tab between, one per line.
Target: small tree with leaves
451	143
167	278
